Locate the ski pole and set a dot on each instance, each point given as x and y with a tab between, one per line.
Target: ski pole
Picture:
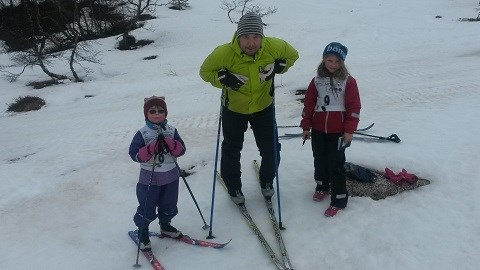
210	236
205	226
137	265
275	151
275	155
393	137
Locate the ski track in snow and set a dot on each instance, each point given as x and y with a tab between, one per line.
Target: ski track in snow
208	121
413	86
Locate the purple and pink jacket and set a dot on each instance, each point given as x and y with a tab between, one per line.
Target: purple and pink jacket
165	170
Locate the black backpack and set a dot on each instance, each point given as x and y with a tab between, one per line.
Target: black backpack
359	173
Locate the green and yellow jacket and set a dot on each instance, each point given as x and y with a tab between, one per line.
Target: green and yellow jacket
255	95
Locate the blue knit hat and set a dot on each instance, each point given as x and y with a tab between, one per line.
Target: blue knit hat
336	49
250	23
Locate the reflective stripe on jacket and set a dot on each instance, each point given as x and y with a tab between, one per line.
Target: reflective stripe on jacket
254	95
332	121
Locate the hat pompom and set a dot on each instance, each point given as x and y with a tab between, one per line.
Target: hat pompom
152	101
250	23
336	49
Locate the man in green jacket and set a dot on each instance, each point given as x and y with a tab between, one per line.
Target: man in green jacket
244	70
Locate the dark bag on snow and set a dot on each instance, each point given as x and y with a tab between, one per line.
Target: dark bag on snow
359	173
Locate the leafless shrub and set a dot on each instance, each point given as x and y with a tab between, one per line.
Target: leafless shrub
178	4
25	104
43	84
151	57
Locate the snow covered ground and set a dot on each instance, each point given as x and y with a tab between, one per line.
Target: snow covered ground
68	185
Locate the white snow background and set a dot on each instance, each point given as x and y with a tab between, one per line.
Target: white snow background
67	192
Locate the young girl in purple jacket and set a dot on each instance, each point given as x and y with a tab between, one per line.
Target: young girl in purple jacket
156	146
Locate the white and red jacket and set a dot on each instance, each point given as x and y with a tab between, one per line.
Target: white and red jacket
331	109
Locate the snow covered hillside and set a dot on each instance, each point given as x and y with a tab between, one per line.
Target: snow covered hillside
68	185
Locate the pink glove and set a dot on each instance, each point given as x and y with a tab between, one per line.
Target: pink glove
397	179
145	153
409	177
175	147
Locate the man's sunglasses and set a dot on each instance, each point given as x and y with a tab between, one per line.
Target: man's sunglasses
156	111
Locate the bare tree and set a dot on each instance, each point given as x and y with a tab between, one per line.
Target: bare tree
35	55
5	3
38	42
81	51
133	11
229	6
32	57
45	46
244	6
51	29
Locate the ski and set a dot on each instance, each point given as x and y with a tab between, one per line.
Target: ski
366	128
361	129
244	211
148	254
296	135
192	241
290	135
287	126
273	219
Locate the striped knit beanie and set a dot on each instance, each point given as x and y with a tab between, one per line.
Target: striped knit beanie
250	23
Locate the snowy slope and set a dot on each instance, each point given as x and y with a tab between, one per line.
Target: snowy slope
68	185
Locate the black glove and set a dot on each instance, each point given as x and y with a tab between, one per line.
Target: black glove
280	65
230	80
271	69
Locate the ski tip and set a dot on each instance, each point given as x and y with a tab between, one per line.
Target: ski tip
219	246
